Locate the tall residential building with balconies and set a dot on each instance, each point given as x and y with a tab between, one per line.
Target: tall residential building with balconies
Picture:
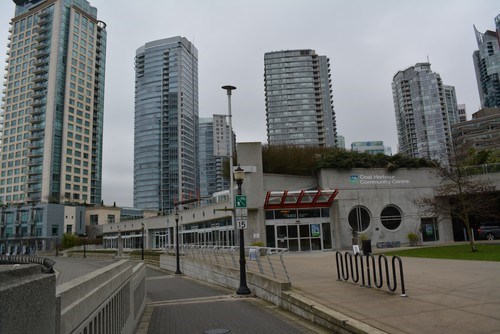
487	65
166	124
211	167
423	107
299	100
53	104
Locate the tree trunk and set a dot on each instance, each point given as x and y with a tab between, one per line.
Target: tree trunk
469	234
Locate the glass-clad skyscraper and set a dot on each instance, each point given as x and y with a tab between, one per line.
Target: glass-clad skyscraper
53	104
487	65
423	108
299	100
166	124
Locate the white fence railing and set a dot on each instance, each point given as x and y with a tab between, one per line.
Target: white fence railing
261	260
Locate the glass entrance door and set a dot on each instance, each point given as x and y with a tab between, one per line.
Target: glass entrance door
301	237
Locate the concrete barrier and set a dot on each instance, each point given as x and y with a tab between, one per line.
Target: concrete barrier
27	298
112	298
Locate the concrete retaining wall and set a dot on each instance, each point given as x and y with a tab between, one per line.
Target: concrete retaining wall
27	299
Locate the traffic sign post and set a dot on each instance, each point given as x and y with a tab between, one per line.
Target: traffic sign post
241	201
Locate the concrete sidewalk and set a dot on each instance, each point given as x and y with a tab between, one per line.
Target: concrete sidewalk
443	296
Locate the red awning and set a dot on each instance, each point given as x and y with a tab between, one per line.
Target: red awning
300	199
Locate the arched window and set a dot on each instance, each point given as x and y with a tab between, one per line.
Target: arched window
391	217
359	219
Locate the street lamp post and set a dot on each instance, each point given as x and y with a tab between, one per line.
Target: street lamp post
239	175
84	245
142	241
229	89
178	271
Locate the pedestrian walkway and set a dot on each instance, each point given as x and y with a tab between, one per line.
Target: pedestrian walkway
443	296
178	304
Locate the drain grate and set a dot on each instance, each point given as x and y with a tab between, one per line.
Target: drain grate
217	331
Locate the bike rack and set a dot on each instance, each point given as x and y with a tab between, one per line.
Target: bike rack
345	262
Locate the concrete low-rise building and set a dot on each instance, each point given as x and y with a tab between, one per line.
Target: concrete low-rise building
301	213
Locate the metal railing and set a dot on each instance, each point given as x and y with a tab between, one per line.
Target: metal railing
483	169
260	260
48	264
357	269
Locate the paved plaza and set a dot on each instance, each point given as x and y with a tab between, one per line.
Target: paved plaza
443	296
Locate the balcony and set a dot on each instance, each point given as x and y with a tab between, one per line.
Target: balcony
35	153
39	78
34	179
40	70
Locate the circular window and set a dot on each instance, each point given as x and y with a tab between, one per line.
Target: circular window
391	217
359	219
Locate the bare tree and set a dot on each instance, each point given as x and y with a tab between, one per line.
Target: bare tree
460	194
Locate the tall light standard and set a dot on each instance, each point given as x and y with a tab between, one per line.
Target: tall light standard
239	175
142	241
178	271
229	89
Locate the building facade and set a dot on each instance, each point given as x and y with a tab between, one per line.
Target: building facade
422	113
462	113
305	213
299	100
211	167
166	123
482	132
487	65
53	104
372	147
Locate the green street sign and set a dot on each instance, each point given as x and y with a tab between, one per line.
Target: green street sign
241	201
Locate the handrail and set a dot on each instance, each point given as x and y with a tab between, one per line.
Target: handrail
273	265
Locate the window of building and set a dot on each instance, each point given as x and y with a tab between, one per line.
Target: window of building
359	219
94	219
390	217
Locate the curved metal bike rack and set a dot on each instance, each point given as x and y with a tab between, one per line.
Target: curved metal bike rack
375	271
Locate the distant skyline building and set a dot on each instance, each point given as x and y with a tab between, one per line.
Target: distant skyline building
372	147
340	141
462	114
211	167
53	104
423	107
299	100
487	66
166	124
482	132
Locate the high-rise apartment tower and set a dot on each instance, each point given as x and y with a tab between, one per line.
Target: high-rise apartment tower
425	110
299	100
53	104
487	65
211	167
166	124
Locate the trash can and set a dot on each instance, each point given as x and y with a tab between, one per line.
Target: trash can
367	247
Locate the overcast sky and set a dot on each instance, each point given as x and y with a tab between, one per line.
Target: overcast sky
367	43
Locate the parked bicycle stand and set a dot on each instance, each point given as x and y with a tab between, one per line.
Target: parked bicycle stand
358	268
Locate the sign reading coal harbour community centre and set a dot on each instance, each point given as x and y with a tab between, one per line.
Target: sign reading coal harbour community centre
376	179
